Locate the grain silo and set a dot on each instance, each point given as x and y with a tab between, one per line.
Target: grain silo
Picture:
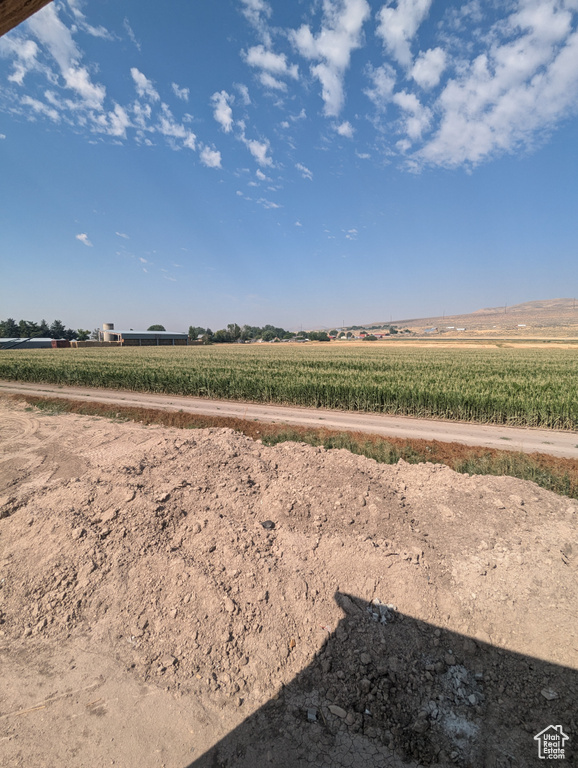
108	327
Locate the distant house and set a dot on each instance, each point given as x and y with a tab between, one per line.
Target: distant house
431	330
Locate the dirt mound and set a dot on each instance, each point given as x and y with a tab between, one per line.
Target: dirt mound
359	611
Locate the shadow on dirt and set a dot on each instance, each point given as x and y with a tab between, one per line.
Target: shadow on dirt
389	690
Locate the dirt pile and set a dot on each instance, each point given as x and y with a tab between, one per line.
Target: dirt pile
354	612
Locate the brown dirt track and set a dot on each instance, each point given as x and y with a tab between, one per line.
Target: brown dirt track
148	618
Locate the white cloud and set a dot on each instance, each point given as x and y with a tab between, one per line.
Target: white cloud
298	224
180	93
274	63
223	113
513	92
131	34
305	172
271	82
47	27
83	237
261	176
81	21
244	91
417	118
341	33
259	150
428	67
40	108
112	123
257	12
210	157
122	234
2	136
398	26
144	86
383	80
25	53
345	129
267	203
142	260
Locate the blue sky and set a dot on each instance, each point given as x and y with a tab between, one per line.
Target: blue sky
306	163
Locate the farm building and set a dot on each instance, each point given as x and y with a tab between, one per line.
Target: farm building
142	338
25	343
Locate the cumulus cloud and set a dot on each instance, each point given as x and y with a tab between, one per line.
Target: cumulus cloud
341	33
383	82
257	13
222	111
24	53
274	64
259	150
210	157
397	27
144	86
510	93
428	67
180	93
345	129
83	237
2	136
416	117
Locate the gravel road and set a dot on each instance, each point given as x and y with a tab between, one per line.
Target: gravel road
553	442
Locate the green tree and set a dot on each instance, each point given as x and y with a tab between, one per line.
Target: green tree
221	336
333	332
9	329
82	334
195	331
44	329
57	330
156	328
28	329
234	331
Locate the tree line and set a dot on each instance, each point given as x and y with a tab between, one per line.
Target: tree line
236	333
27	329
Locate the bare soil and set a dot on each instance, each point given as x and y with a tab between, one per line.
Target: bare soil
174	598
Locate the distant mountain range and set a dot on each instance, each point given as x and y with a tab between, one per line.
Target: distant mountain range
559	316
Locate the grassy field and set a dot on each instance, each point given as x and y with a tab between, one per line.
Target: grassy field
529	387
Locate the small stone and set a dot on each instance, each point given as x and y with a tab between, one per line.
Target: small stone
473	700
78	533
337	711
365	685
350	719
168	661
312	715
365	658
229	605
268	525
449	659
549	694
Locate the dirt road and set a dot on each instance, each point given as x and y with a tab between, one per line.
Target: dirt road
553	442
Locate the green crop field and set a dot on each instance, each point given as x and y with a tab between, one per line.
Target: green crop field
530	387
